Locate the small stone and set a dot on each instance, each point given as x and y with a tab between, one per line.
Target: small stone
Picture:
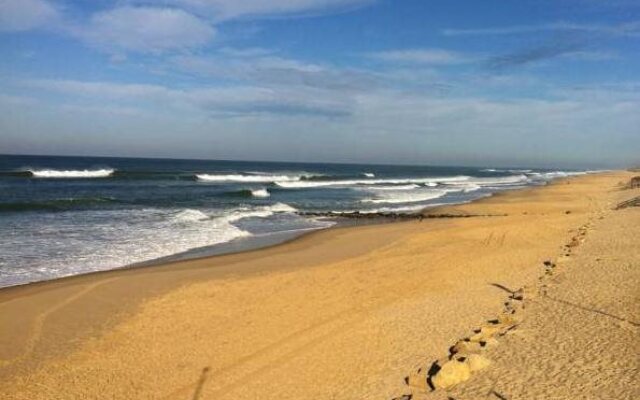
486	332
508	319
450	374
466	347
477	362
491	342
518	295
418	380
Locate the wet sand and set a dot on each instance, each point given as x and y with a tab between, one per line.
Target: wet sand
342	313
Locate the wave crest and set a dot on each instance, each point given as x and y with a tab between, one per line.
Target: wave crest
246	178
406	197
356	182
85	173
260	193
190	215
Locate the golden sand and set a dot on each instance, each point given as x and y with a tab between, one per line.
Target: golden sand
345	313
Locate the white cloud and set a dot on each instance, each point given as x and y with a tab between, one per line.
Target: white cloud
231	9
271	70
146	29
388	125
423	56
154	26
22	15
235	100
98	89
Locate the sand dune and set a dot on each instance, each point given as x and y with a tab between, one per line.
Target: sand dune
351	312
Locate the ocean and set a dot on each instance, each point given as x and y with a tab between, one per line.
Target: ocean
62	216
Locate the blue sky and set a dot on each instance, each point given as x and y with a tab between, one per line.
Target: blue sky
521	83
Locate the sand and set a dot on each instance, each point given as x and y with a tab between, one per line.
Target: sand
348	313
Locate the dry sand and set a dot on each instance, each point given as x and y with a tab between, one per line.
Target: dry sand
348	313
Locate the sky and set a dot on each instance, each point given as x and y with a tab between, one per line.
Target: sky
431	82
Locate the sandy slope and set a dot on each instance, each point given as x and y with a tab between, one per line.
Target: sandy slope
580	337
345	313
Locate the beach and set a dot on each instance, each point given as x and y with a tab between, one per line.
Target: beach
350	312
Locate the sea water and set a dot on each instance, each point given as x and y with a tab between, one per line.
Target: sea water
62	216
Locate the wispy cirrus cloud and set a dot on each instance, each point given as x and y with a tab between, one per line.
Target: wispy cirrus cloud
237	100
235	9
549	50
631	28
272	70
22	15
423	56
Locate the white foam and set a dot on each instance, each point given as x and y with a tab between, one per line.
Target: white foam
281	208
246	178
260	193
190	215
85	173
513	171
396	187
471	188
406	197
494	181
555	174
259	212
238	215
356	182
108	239
369	174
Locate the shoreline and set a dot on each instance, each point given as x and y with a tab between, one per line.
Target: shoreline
342	220
369	268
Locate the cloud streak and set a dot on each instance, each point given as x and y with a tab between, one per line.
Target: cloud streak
422	56
272	70
631	28
221	10
531	55
23	15
238	100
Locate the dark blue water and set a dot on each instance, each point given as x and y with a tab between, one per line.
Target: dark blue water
62	216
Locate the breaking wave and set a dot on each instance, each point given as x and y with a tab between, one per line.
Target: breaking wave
260	193
393	187
246	178
190	215
85	173
247	193
406	197
357	182
546	176
495	181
